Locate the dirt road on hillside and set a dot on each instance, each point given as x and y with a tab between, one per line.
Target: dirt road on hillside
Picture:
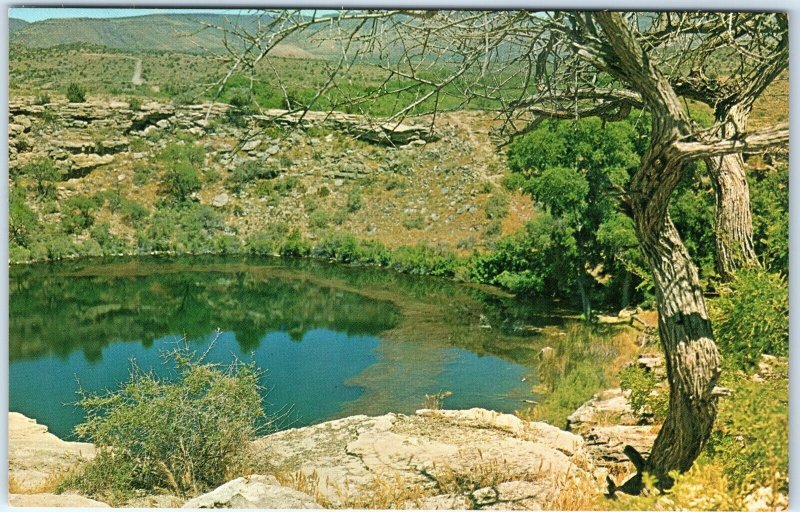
137	73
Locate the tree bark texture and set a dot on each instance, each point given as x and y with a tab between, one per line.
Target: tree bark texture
692	359
733	223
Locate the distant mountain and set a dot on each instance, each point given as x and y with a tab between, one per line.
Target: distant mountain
164	32
15	24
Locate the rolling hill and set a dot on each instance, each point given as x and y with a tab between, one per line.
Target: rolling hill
194	33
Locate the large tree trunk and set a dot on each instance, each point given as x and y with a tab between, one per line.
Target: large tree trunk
692	359
733	227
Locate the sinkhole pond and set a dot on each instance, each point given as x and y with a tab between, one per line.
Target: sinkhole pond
332	340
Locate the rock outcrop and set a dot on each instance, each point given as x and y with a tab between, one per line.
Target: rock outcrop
434	459
83	128
35	455
608	424
255	491
497	459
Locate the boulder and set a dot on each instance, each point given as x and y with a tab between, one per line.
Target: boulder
220	200
254	491
606	443
607	407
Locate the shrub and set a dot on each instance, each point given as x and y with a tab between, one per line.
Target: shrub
42	99
319	219
751	433
186	435
751	317
76	93
133	211
181	180
424	260
354	201
23	223
249	172
295	246
496	206
141	173
135	104
647	396
76	215
42	171
108	244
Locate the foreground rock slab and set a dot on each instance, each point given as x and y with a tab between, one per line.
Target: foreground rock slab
36	456
440	459
255	491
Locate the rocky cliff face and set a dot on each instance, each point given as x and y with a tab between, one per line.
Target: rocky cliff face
83	128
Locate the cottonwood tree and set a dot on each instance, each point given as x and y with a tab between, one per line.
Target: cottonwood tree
528	66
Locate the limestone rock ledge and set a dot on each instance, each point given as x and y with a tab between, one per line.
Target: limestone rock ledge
35	455
434	459
511	463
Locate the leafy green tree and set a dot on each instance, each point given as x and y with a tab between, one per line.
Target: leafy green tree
575	172
44	173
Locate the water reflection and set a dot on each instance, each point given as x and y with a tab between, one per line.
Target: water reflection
334	341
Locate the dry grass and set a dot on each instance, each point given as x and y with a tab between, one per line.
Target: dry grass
385	492
48	485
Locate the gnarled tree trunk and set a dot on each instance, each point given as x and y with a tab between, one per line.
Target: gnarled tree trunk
733	226
692	359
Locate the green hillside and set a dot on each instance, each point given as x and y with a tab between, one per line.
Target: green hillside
15	24
174	32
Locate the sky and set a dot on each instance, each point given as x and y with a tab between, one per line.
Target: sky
41	13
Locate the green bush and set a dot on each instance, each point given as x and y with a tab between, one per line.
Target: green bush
295	246
496	206
76	214
23	223
43	172
133	211
141	173
319	219
135	103
186	435
354	201
76	93
649	399
424	260
108	243
267	242
181	181
345	248
751	317
42	99
751	433
249	172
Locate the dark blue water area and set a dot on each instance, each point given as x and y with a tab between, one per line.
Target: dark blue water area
303	379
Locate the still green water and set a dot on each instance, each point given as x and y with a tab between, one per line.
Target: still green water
334	340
